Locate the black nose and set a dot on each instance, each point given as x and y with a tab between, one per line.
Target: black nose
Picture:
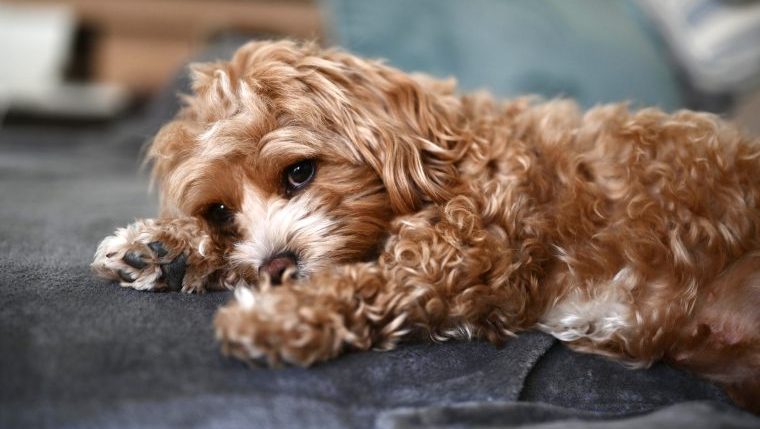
277	265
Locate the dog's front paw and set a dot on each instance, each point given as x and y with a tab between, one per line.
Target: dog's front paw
156	255
276	326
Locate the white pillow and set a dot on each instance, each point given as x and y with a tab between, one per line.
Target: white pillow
717	42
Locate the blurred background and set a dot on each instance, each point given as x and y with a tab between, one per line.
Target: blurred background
73	61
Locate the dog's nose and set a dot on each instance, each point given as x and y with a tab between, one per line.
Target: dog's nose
277	265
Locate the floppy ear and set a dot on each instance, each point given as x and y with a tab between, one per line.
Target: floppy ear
174	143
421	151
170	147
214	96
407	128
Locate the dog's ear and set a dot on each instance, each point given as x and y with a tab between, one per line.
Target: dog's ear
419	147
171	146
174	143
215	95
407	128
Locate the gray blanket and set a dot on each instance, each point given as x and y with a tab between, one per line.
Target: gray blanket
79	352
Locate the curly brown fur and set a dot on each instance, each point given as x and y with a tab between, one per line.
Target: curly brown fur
629	234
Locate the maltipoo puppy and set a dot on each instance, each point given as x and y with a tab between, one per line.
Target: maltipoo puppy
351	205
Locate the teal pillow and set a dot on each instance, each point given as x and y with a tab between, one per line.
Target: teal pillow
595	51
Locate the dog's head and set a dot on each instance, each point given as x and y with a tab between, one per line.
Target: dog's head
298	158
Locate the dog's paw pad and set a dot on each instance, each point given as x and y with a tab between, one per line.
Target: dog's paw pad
174	272
135	259
158	248
125	276
157	255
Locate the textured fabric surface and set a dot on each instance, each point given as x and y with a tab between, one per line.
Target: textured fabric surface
692	415
79	352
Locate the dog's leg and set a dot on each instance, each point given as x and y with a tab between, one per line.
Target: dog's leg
160	254
721	341
311	320
435	278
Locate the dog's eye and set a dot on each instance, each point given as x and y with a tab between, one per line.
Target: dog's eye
219	214
299	175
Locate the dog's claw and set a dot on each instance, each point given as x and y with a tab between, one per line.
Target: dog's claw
174	271
134	260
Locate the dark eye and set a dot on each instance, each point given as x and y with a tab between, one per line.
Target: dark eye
219	214
298	175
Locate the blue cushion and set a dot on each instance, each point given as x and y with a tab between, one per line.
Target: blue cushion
595	51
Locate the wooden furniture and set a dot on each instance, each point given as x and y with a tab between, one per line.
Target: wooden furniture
139	44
